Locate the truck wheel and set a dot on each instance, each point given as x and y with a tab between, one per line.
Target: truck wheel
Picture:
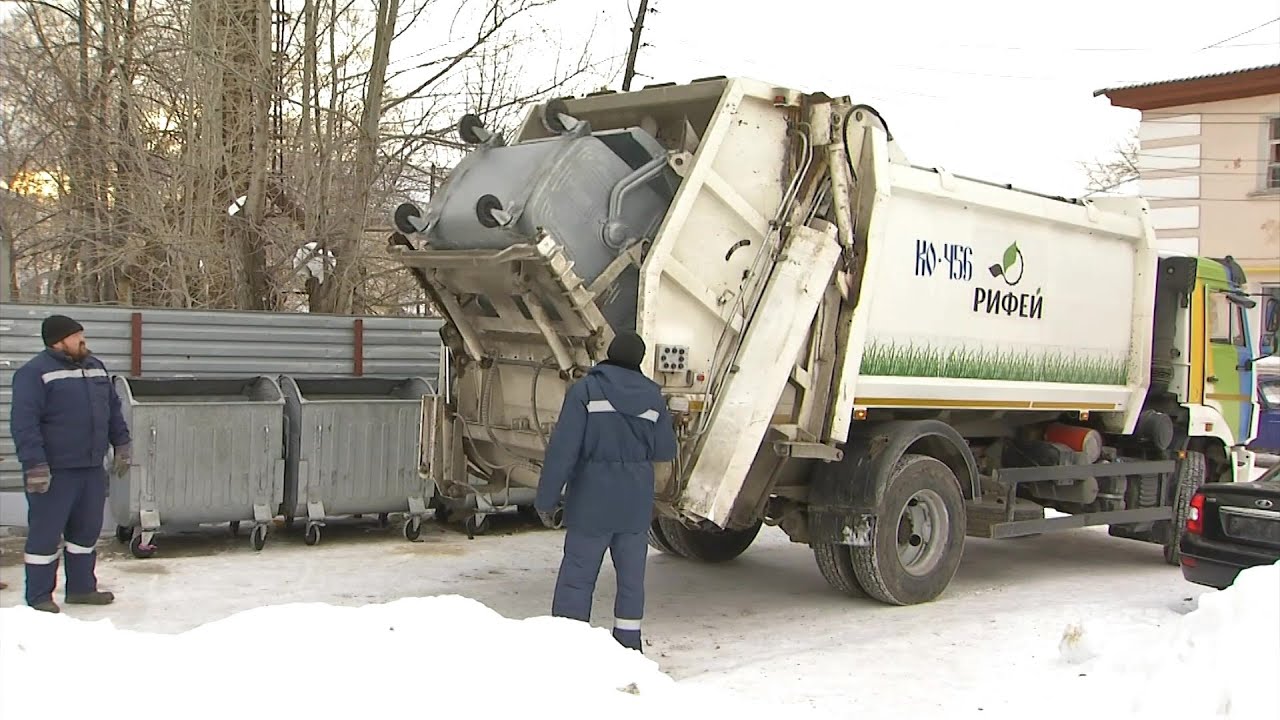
836	565
1191	475
709	547
658	541
919	534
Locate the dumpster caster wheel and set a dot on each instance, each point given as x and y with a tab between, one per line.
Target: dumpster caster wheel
384	520
235	528
140	551
124	534
413	529
476	525
313	535
259	537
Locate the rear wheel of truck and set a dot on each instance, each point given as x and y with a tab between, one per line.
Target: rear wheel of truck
710	547
1191	475
658	541
919	534
836	565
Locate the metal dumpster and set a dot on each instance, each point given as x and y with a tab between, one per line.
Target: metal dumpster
204	451
352	449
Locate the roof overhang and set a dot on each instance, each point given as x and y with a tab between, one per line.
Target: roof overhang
1233	85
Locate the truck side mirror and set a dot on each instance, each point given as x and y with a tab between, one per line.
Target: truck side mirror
1270	325
1244	301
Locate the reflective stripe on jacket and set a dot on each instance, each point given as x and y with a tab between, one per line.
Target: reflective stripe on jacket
65	414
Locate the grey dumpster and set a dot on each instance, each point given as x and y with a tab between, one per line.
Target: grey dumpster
204	451
352	449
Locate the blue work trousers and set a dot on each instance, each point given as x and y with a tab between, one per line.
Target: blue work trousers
70	511
576	583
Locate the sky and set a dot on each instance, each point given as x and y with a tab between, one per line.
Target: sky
996	89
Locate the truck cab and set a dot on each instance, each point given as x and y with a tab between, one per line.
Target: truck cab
1202	368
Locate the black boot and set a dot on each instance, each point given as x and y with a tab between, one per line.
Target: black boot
48	606
629	639
97	597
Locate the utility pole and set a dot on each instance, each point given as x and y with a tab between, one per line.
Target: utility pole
636	29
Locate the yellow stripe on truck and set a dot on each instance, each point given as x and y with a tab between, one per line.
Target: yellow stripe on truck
1199	342
983	404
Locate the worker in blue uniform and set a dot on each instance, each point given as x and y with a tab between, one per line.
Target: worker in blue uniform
65	415
613	426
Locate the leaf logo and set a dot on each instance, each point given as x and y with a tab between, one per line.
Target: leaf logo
1010	267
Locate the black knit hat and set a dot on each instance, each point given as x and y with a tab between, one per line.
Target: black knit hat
58	327
627	350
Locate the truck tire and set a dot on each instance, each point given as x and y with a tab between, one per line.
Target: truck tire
837	568
708	547
919	534
1191	475
658	541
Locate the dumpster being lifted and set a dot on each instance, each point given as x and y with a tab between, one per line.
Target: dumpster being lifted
204	451
353	449
876	357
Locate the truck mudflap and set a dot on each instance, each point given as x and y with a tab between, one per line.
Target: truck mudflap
845	495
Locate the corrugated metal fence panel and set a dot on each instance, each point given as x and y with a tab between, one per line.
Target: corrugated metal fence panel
247	344
388	342
214	343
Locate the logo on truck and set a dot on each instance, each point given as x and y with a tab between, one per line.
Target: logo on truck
1010	269
956	262
1011	262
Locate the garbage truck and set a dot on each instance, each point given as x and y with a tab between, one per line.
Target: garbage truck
878	358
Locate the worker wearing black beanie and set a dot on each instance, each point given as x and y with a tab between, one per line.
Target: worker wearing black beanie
57	328
65	416
613	426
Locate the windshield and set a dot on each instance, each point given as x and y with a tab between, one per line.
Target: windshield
1272	474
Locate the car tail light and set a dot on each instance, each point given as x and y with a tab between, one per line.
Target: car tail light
1195	515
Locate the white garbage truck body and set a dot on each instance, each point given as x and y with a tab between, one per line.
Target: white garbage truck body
878	358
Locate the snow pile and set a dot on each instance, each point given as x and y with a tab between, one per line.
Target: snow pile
1219	661
447	656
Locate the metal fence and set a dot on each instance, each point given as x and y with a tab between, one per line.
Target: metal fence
213	343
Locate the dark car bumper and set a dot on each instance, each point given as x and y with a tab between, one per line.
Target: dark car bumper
1216	564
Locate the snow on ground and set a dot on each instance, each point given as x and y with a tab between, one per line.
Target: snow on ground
448	653
1220	661
762	629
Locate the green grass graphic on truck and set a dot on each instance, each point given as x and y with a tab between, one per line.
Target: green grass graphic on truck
914	360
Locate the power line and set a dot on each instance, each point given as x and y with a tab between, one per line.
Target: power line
686	54
1246	32
1102	49
1260	199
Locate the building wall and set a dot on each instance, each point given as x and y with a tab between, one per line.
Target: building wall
1204	168
172	343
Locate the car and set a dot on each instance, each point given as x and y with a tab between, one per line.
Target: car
1268	437
1231	527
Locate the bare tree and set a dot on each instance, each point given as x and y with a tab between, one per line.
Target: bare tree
1113	171
227	153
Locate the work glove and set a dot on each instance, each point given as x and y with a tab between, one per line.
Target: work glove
552	520
38	480
120	463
